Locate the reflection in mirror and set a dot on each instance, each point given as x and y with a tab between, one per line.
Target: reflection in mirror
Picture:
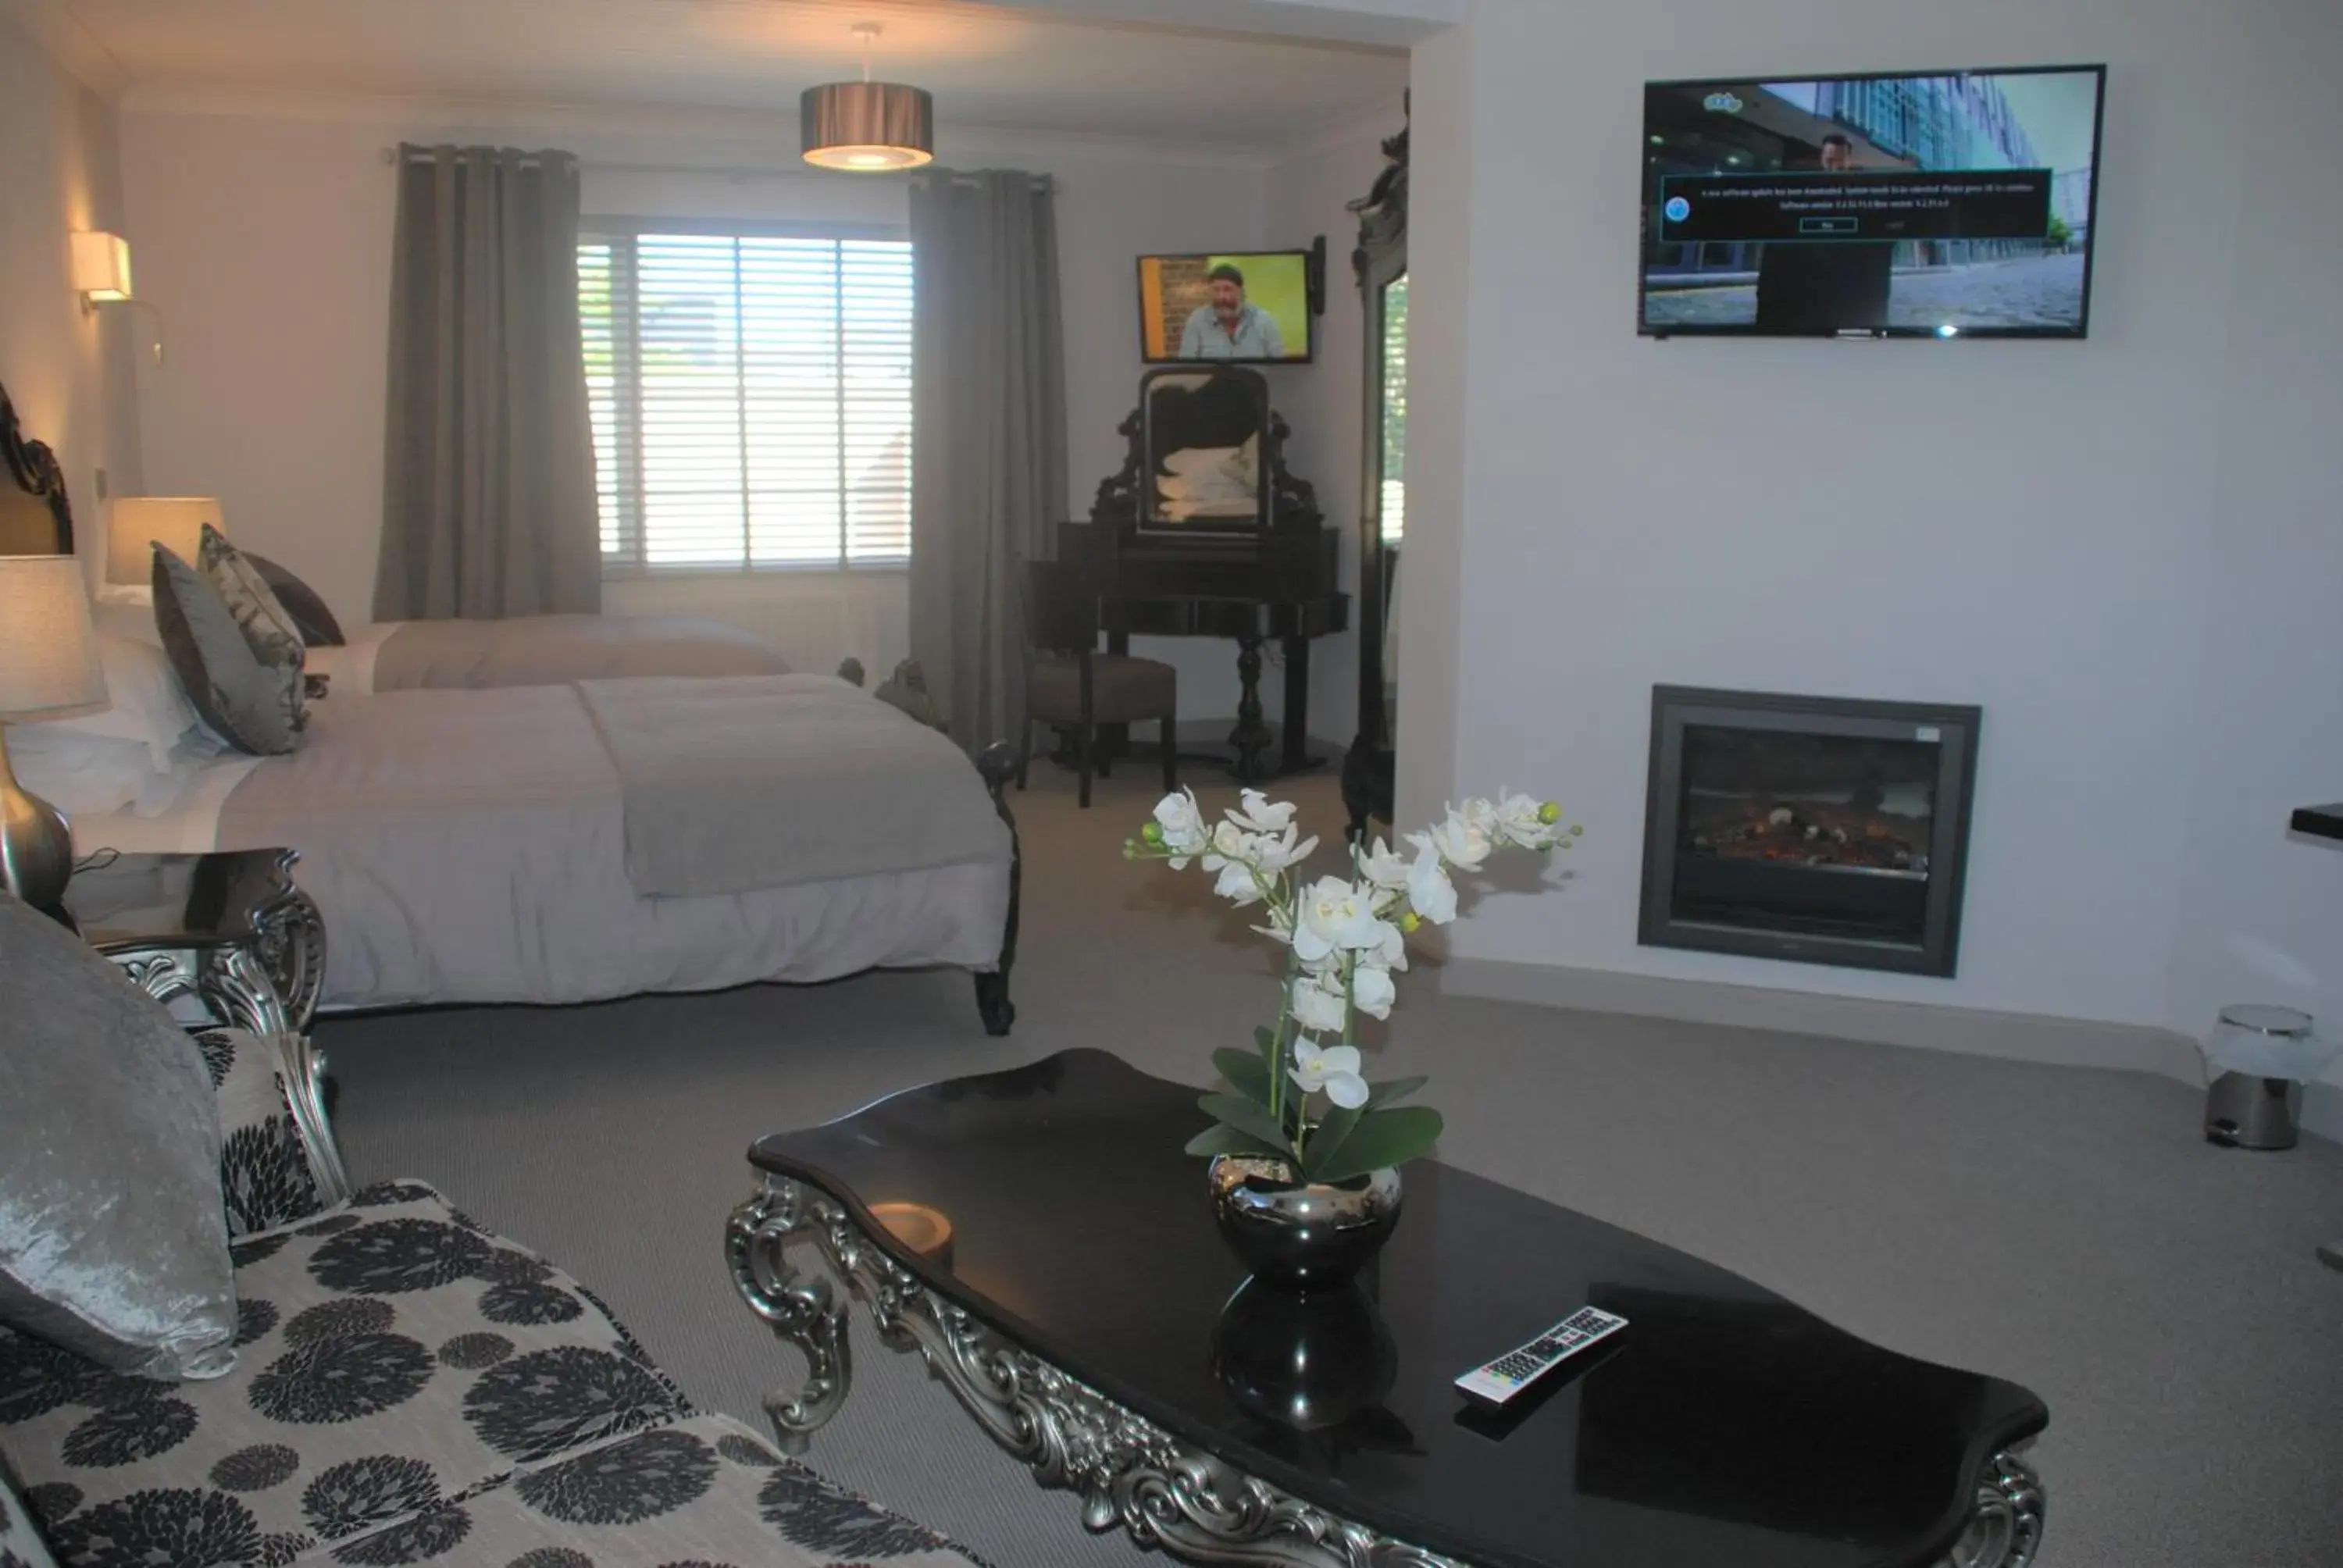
1203	434
1380	262
1394	391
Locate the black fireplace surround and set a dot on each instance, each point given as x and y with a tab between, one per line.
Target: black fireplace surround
1813	829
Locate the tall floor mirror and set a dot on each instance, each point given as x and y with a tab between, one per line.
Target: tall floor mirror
1380	262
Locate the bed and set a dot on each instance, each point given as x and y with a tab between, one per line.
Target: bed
574	837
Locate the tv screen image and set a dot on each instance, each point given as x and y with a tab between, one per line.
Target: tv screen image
1939	206
1235	307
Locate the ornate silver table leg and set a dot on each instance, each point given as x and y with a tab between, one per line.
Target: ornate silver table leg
803	1311
2006	1529
1128	1471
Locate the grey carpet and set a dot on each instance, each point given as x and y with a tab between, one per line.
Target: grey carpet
2062	1227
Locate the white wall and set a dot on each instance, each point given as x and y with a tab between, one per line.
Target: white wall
264	230
66	373
2125	549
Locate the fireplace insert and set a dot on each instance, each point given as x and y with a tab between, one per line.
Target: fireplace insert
1813	829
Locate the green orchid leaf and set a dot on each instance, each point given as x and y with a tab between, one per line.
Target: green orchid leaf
1398	1089
1247	1117
1246	1072
1262	1038
1382	1138
1222	1138
1328	1139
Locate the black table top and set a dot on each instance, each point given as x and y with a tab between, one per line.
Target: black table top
177	900
1724	1425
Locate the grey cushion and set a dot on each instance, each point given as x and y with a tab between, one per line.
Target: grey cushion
244	701
1124	689
267	626
111	1241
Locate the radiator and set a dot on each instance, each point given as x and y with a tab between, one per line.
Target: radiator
814	621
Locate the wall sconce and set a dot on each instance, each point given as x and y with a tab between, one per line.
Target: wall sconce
101	270
101	276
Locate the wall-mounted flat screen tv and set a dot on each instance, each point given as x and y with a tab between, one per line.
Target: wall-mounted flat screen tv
1250	307
1949	206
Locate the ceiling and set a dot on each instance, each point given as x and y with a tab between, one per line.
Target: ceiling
986	65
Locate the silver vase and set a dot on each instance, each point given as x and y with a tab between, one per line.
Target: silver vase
1302	1235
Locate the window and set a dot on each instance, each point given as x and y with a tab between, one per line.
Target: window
751	398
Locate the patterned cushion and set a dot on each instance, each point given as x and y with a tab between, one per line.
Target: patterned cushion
395	1355
267	626
248	703
706	1492
265	1177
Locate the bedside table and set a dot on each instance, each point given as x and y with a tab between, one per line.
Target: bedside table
231	935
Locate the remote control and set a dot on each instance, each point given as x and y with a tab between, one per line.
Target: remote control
1510	1374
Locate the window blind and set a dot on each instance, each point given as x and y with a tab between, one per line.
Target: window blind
751	398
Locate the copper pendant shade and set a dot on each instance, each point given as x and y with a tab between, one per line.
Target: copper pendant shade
867	126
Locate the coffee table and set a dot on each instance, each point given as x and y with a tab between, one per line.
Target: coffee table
1085	1310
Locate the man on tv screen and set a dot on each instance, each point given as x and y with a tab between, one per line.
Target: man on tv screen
1231	327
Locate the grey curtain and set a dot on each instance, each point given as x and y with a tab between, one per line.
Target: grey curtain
988	445
489	503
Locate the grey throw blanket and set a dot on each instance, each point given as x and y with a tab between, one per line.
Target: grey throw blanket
555	649
766	781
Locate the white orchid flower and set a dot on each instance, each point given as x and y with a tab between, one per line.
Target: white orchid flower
1389	951
1333	1068
1333	914
1383	868
1315	1006
1260	814
1462	842
1523	821
1183	823
1372	991
1237	884
1281	853
1430	893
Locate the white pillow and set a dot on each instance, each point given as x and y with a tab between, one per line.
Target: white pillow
130	619
78	773
145	702
1199	462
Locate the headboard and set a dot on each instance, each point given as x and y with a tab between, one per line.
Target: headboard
35	519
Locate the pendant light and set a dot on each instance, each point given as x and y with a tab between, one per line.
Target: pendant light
867	126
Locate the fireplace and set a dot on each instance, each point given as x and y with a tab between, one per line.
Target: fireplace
1812	829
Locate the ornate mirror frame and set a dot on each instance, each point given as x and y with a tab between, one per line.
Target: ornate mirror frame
1379	260
35	519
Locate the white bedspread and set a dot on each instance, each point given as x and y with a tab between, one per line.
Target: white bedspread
470	847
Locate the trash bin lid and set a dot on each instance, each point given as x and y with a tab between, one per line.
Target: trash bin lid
2262	1019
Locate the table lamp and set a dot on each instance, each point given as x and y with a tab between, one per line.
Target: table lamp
49	669
138	523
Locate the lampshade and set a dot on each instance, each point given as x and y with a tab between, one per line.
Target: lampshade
101	264
867	126
141	522
49	650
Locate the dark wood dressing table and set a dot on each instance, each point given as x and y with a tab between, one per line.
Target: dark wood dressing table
1269	575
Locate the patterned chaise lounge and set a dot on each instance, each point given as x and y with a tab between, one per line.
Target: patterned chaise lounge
409	1389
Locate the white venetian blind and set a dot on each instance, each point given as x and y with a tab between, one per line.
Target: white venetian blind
751	398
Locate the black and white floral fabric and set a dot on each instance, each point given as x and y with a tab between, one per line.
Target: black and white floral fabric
20	1544
265	1177
342	1411
411	1390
